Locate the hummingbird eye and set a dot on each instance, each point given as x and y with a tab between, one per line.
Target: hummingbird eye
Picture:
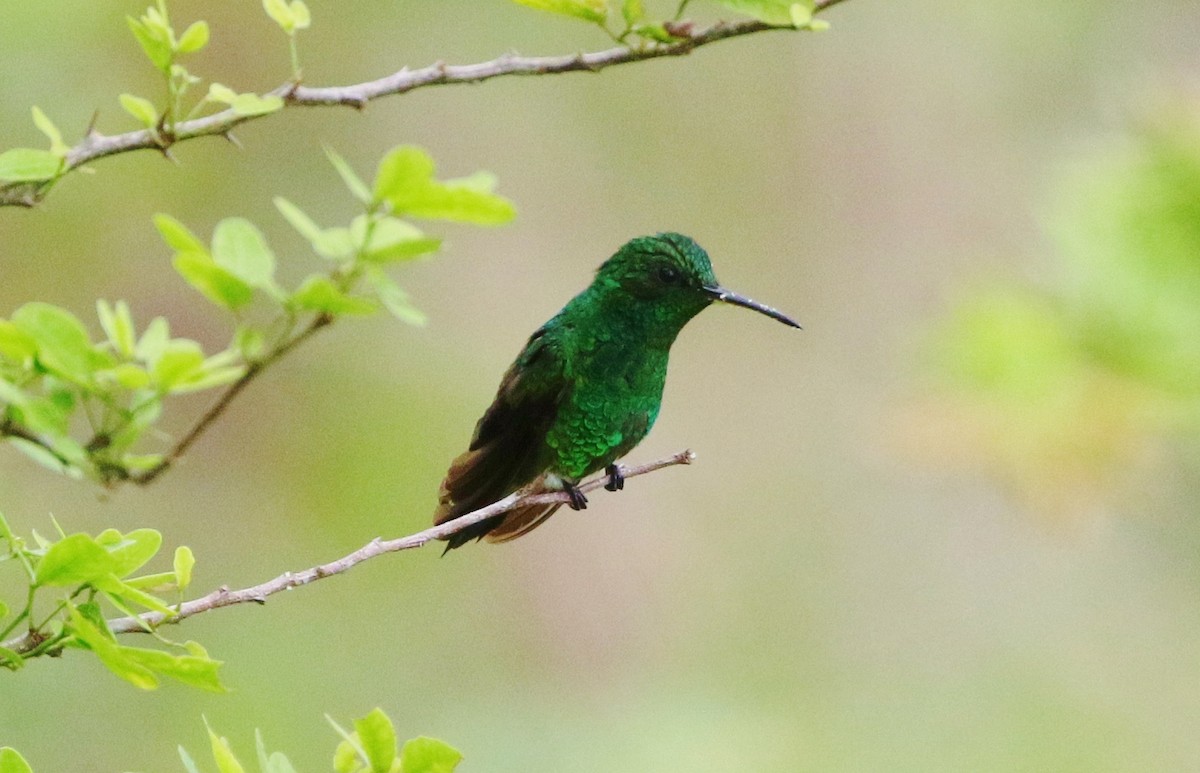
668	275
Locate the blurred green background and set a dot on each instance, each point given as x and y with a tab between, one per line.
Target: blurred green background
831	587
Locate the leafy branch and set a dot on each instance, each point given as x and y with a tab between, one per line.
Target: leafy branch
27	175
51	371
96	566
371	747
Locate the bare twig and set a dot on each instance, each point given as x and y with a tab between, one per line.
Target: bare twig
95	145
225	597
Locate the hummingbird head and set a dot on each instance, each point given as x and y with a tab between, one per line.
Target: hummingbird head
673	274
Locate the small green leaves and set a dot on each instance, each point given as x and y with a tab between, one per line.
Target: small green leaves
791	13
289	16
320	294
176	234
244	104
28	165
239	247
371	748
193	38
47	127
633	11
74	560
142	110
217	284
377	738
429	755
118	326
405	181
589	10
353	182
154	35
63	347
12	762
183	564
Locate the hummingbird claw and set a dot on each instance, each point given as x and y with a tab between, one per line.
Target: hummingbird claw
578	500
616	481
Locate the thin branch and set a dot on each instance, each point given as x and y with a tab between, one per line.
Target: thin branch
224	597
95	145
233	390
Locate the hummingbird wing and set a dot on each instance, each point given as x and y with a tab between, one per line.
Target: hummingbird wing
508	449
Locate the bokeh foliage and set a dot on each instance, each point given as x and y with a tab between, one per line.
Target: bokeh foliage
1067	386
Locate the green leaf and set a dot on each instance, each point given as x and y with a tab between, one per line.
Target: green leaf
219	92
177	235
189	764
301	16
44	457
74	560
303	224
588	10
632	11
180	360
118	326
47	127
390	239
239	247
218	285
12	762
15	344
63	346
153	341
281	13
208	378
222	754
193	671
318	293
405	180
393	298
335	244
346	759
184	561
657	32
428	755
143	110
154	38
353	182
121	595
253	104
378	740
28	165
159	582
110	654
193	38
130	551
272	763
11	658
3	610
780	12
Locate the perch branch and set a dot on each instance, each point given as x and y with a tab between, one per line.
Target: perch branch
225	597
96	145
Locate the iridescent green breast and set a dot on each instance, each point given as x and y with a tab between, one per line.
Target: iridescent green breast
614	398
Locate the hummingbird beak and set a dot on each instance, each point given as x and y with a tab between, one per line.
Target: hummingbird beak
719	293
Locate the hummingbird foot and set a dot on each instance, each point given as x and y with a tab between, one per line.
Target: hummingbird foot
616	480
578	500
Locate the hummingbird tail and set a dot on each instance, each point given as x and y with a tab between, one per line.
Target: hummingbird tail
520	521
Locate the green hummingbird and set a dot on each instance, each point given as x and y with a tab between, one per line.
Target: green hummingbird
586	388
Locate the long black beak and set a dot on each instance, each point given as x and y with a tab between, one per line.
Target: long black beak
725	296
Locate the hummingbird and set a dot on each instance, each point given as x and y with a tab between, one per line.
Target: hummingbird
586	388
